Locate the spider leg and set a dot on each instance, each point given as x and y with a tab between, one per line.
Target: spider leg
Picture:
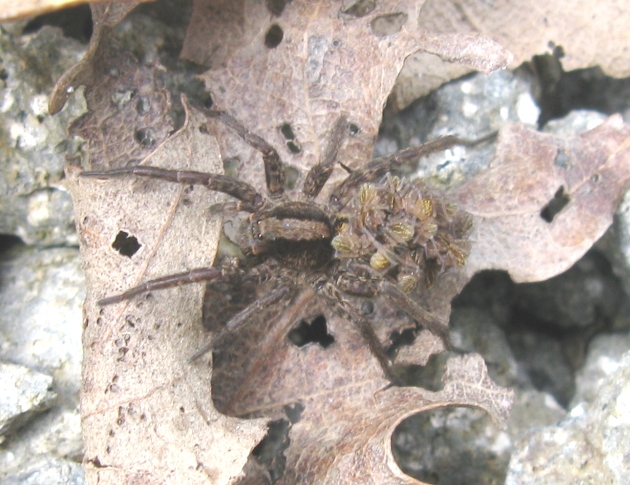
170	281
319	174
366	286
415	311
342	307
243	317
237	189
274	170
377	168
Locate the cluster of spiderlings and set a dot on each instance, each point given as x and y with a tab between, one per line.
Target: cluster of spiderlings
404	230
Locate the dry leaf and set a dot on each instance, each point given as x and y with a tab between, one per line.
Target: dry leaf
530	168
143	401
596	34
147	412
97	60
328	62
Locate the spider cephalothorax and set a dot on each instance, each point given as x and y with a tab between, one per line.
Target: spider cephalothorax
376	235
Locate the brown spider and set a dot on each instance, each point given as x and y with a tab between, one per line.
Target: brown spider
376	235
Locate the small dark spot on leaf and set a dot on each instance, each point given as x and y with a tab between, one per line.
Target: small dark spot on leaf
126	244
203	128
4	75
595	178
314	332
294	147
144	137
287	131
354	129
389	24
274	36
555	205
182	409
360	8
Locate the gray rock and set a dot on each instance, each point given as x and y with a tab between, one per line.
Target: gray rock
604	358
47	469
469	108
25	393
34	205
579	297
589	446
40	324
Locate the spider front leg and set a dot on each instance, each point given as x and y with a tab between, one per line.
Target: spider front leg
170	281
274	170
368	287
242	191
376	169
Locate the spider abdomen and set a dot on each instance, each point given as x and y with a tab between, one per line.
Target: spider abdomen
403	229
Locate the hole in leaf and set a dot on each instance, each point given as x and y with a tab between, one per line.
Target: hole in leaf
314	332
354	129
270	451
555	205
294	147
274	36
389	24
287	131
292	144
144	137
426	446
126	244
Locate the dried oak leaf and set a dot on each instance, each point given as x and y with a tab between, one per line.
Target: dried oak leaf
327	62
593	35
86	72
147	414
530	169
127	112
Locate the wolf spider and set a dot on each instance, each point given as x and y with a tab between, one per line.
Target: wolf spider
376	235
